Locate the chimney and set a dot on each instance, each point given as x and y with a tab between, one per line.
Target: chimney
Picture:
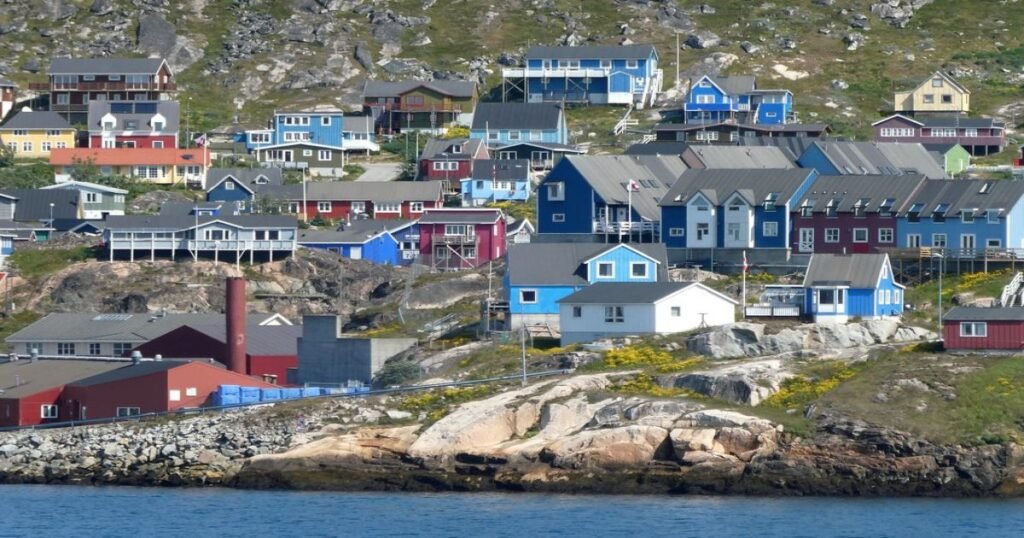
234	311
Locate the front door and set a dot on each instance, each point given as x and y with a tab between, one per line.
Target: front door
806	242
967	245
621	214
355	253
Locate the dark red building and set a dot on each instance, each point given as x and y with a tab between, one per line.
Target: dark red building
450	160
997	328
979	136
133	124
851	214
32	388
338	200
453	239
74	82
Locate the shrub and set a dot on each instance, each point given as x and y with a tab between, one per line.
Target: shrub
648	357
800	391
396	373
644	384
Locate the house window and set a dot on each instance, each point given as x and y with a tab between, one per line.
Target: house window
770	229
65	348
860	235
94	349
469	252
47	411
913	240
359	207
63	98
492	135
536	135
174	395
479	185
26	146
325	155
614	314
307	153
943	133
632	64
387	208
606	64
229	185
258	138
416	207
885	235
936	83
967	216
676	311
46	146
703	229
970	133
323	207
707	136
122	348
831	297
831	235
605	270
31	348
439	166
325	120
556	191
993	243
158	144
128	411
973	329
676	232
638	270
514	135
807	210
939	240
947	99
929	98
577	311
897	296
528	296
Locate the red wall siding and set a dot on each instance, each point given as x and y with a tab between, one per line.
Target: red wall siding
846	222
148	393
25	411
465	170
10	412
272	364
205	378
341	209
170	141
1001	335
489	245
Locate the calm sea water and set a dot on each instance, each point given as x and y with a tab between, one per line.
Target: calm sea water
190	513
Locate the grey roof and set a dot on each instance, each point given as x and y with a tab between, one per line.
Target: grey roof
977	313
186	208
101	66
534	116
941	148
792	146
4	83
502	169
246	176
608	175
960	121
357	124
129	371
34	204
657	148
590	52
853	158
859	271
739	156
964	194
753	185
561	264
85	186
390	191
187	222
912	158
629	292
128	328
764	128
36	120
455	88
455	215
357	231
139	112
844	192
291	191
564	148
21	231
435	147
735	85
25	377
259	339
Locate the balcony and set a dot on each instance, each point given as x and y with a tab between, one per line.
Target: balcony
104	86
623	227
555	72
455	239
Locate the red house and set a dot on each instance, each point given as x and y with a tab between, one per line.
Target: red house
851	214
148	387
337	200
453	239
270	349
32	388
74	82
450	160
979	136
133	124
997	328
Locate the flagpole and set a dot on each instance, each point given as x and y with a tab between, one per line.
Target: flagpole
743	304
629	211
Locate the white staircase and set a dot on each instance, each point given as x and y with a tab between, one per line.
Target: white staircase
626	121
1012	292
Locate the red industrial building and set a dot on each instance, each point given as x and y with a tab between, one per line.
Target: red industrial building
971	328
30	390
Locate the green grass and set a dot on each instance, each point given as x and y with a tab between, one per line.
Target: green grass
924	297
35	263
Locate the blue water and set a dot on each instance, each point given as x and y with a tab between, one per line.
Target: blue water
191	513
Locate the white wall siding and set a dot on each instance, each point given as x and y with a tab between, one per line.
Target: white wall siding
692	302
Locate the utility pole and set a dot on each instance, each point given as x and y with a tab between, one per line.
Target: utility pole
522	341
678	82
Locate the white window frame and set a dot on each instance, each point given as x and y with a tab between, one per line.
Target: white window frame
770	228
325	121
632	64
831	235
387	207
324	155
677	232
48	411
229	185
174	395
886	235
614	314
324	207
558	217
632	269
936	236
128	411
972	328
913	240
597	270
522	296
676	311
358	207
65	348
577	311
416	207
858	231
556	191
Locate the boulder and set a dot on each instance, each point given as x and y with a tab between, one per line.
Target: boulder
748	383
732	340
689	439
615	448
102	7
703	40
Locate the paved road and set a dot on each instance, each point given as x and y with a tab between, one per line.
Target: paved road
380	171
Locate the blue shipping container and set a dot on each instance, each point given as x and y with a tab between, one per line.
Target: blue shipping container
225	399
269	395
229	389
310	391
250	394
289	394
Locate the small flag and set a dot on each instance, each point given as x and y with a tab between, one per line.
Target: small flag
200	140
745	266
633	186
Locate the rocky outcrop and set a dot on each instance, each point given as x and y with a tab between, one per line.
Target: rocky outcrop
749	339
748	383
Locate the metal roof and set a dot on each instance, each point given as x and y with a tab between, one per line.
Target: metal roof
502	169
187	222
246	176
735	85
761	127
356	232
532	116
34	204
25	377
85	186
357	124
4	83
941	148
454	88
260	340
859	271
844	192
739	156
961	194
961	121
609	175
632	293
977	313
718	185
561	264
792	146
390	191
128	371
590	52
450	215
857	158
912	158
444	147
103	66
564	148
657	148
128	328
37	120
139	112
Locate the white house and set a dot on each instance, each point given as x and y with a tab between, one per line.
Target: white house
97	201
611	309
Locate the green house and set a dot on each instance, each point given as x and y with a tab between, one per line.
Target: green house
953	157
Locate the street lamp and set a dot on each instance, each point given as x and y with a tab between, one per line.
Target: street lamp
188	122
51	214
942	261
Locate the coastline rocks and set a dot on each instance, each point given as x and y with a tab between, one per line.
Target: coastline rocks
749	383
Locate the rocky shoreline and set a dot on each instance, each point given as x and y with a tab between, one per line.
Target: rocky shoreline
553	437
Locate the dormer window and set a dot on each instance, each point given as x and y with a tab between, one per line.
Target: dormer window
158	126
701	205
914	213
457	148
108	125
992	216
939	215
833	205
967	216
261	180
985	188
807	208
769	201
885	209
860	207
131	124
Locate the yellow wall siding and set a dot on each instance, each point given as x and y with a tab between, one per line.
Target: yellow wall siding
914	101
37	139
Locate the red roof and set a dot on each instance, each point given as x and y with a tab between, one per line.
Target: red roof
130	156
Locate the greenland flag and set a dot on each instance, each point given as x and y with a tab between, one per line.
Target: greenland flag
200	140
633	186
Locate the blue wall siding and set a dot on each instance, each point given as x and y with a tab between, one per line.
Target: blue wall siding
953	228
578	206
673	217
381	250
480	189
815	158
622	257
222	194
780	215
547	299
772	113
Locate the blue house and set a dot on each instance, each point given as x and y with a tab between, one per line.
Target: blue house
962	217
839	287
503	124
593	74
496	180
310	139
737	100
390	242
540	274
322	128
243	185
737	208
613	197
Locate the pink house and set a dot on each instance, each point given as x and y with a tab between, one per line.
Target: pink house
463	238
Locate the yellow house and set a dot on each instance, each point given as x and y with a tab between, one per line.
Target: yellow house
939	93
33	134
